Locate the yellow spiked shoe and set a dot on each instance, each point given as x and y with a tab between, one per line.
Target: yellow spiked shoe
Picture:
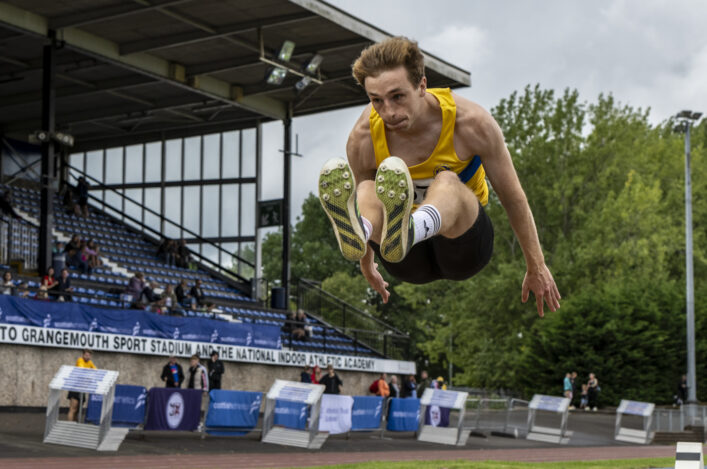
395	190
337	194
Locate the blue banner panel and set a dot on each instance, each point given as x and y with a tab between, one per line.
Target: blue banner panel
128	406
403	415
366	413
137	323
291	414
173	409
437	416
233	409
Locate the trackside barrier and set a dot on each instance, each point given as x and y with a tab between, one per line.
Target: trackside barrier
232	413
499	417
128	406
403	415
549	404
435	408
367	414
292	394
689	456
644	410
83	435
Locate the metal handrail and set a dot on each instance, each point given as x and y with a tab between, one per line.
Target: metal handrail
159	215
318	289
219	268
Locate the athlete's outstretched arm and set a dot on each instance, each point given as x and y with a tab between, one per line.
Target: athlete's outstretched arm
500	171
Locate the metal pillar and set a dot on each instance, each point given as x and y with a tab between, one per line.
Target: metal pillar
691	380
257	289
46	215
287	123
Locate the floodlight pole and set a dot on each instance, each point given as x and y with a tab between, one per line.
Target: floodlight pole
690	296
287	153
46	214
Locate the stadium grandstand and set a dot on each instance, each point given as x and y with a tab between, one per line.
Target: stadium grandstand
150	113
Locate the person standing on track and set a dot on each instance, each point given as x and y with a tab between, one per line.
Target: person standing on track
84	361
448	146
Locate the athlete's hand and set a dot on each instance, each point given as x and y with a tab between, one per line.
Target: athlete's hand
369	269
543	286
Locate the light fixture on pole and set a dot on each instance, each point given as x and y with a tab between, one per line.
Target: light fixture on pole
311	68
277	74
685	120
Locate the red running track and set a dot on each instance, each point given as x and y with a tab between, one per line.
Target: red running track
283	460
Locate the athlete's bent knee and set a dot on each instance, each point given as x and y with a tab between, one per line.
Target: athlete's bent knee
447	177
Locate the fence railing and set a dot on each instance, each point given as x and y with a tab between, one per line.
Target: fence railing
17	243
360	325
676	420
506	416
106	206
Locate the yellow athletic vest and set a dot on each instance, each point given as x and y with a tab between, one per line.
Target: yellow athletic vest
443	157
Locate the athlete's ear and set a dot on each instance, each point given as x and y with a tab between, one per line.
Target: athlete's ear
423	86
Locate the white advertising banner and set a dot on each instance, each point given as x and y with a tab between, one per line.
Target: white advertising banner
335	414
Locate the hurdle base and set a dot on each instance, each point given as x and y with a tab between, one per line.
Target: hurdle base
629	435
549	435
290	437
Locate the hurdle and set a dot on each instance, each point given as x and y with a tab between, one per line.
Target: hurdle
308	394
101	437
453	400
550	404
632	435
689	456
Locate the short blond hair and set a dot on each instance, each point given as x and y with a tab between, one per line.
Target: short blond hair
387	55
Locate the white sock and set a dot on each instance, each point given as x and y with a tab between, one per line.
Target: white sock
427	221
367	228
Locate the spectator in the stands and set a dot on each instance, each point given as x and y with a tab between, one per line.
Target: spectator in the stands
216	370
6	205
169	301
64	287
49	284
305	376
93	254
81	192
301	321
172	373
393	387
183	297
135	286
197	293
331	381
409	387
8	285
293	327
58	256
383	390
149	298
68	200
74	256
183	254
166	251
198	375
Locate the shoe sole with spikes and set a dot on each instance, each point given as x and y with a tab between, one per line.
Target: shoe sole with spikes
337	194
395	190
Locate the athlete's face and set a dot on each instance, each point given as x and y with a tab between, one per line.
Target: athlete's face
395	99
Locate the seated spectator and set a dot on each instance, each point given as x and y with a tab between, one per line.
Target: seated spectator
293	327
169	300
92	253
149	298
183	298
64	287
74	257
81	195
58	256
8	285
183	254
135	286
49	283
199	299
303	322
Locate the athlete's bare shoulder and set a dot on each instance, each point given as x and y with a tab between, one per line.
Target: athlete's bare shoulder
475	130
359	148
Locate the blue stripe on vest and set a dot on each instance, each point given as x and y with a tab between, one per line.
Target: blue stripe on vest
468	172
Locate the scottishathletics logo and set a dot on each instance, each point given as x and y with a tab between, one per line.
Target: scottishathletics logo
48	321
175	336
249	339
255	405
136	328
175	410
93	326
141	400
214	335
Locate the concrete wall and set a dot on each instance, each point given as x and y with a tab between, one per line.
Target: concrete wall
25	373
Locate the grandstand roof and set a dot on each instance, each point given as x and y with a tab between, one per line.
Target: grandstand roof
141	70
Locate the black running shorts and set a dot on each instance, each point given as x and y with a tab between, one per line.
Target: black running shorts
440	258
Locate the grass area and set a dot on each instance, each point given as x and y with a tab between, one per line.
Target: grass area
612	464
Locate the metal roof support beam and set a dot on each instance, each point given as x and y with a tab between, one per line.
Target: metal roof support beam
192	37
142	63
109	13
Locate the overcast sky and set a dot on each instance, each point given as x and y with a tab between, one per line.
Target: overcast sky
647	53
